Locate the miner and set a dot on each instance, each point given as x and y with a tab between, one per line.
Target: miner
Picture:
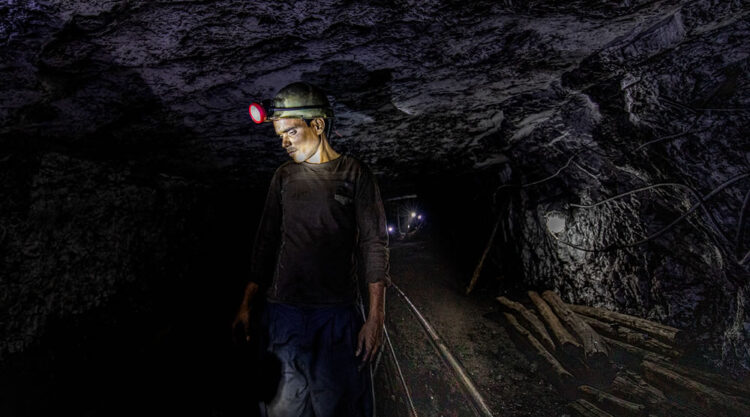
322	208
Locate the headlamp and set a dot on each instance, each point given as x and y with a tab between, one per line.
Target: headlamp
257	113
267	112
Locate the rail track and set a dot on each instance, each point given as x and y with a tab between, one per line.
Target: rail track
474	402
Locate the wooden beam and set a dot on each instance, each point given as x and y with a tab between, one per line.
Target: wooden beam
609	402
478	269
709	399
722	383
595	349
564	378
583	408
566	340
632	337
632	387
662	332
530	320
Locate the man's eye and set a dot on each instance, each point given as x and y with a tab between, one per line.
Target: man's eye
293	132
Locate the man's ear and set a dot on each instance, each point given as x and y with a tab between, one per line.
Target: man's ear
319	124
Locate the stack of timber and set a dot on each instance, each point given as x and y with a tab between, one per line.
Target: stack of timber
614	364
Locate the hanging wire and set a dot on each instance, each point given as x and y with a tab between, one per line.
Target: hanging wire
537	182
529	184
701	201
664	184
741	227
663	138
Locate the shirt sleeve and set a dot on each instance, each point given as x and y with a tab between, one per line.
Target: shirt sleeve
267	237
371	224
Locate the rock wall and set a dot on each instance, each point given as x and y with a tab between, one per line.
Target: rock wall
660	111
129	166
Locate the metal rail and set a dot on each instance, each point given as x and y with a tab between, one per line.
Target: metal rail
412	410
475	398
373	369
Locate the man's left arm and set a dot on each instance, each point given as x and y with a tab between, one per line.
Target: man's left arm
373	243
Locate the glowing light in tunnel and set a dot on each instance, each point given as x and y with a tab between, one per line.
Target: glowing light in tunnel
413	214
419	217
390	229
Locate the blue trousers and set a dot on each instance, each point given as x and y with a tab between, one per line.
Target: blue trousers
319	372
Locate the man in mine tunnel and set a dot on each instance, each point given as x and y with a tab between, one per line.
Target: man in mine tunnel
321	208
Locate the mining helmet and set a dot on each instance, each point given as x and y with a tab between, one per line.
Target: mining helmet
298	100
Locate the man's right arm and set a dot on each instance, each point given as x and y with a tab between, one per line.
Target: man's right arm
267	237
265	247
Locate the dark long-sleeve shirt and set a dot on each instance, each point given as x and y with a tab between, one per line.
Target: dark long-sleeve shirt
315	218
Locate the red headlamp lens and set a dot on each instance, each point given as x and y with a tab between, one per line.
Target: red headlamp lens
257	113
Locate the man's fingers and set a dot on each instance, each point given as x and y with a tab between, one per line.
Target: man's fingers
370	346
360	341
241	329
375	349
236	331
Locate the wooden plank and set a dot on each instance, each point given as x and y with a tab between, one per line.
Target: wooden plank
632	337
564	378
660	331
530	320
566	340
632	387
611	403
595	349
478	269
583	408
723	383
707	398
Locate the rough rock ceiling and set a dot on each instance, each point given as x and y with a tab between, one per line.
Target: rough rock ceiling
127	107
419	86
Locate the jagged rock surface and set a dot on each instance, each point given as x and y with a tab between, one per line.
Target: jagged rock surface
119	120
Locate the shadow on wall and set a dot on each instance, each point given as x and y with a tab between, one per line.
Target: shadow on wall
122	253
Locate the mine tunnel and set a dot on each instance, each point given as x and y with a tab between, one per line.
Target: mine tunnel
565	188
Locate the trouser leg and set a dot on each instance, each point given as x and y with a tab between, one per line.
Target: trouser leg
287	345
319	372
339	388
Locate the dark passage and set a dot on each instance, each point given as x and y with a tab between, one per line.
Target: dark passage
595	153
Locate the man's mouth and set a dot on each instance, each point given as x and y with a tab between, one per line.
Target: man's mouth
291	151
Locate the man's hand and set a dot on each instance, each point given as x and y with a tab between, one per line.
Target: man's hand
371	336
241	325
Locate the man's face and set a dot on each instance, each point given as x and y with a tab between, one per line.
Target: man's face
297	138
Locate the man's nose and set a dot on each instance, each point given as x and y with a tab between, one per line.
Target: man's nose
285	142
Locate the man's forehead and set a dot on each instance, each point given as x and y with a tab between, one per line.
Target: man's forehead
282	125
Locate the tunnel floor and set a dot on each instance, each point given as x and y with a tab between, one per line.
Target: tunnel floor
470	326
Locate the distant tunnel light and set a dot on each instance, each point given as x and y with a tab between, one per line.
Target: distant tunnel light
413	214
419	217
555	222
390	229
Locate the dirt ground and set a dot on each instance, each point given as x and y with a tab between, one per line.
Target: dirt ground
471	328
